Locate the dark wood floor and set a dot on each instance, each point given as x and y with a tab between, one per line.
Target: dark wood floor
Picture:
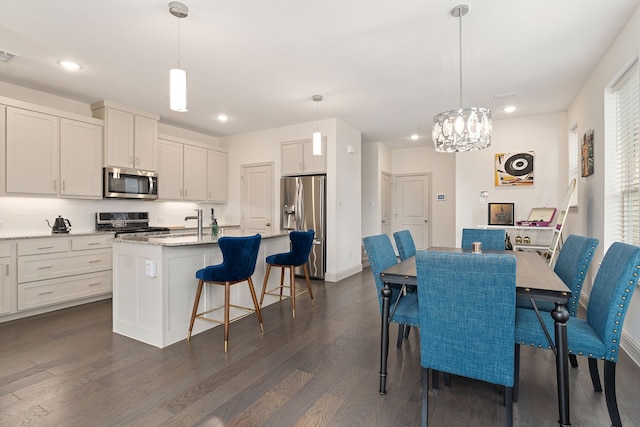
321	369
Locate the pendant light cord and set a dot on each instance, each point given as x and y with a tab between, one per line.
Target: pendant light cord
179	43
460	33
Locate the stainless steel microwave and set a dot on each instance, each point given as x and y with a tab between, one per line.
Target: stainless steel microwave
130	184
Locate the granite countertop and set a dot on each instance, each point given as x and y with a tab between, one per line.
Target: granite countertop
44	234
183	239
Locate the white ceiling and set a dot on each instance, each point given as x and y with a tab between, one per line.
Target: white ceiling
384	67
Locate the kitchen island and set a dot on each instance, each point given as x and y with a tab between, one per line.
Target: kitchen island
154	283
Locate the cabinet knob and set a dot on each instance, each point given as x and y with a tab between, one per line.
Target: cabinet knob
268	224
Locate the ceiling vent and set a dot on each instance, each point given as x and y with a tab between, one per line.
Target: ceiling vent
6	56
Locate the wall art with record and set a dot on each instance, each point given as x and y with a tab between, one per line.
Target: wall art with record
514	168
587	153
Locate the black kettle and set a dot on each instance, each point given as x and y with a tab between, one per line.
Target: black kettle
60	225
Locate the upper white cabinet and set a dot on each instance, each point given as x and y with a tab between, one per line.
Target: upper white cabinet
80	159
298	158
183	172
130	136
50	155
217	176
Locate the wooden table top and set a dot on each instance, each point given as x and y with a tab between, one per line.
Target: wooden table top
534	278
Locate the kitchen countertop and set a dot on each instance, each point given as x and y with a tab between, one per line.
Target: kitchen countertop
43	234
182	239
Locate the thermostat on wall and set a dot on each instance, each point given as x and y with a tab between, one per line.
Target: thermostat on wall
441	197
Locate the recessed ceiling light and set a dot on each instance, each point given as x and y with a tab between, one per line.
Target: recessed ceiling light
415	137
509	109
223	118
69	65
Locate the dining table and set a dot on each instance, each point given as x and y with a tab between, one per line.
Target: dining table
535	280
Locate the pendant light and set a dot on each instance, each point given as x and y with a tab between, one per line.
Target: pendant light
317	136
463	129
178	76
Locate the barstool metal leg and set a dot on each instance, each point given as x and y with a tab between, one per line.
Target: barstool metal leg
306	276
292	276
265	283
281	281
255	303
195	308
227	288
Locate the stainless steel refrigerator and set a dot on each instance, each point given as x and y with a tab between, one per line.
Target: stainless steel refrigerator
303	208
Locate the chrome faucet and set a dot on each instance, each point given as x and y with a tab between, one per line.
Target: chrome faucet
199	218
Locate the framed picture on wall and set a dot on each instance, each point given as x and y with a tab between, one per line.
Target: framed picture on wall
514	169
587	153
500	214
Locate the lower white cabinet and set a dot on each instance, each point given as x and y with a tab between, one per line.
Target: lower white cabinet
7	278
62	269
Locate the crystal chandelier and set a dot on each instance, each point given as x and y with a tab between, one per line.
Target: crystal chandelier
462	129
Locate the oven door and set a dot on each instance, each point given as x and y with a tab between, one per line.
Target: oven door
130	184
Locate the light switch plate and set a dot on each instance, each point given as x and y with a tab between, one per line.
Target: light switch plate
151	268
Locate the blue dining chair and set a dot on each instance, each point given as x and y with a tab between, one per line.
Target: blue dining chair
404	243
404	310
301	242
572	267
239	255
597	337
491	239
468	302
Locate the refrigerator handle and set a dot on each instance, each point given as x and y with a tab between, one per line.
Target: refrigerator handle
300	203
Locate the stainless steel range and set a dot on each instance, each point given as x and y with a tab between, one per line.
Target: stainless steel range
127	223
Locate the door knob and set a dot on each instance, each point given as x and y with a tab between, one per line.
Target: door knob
268	224
426	220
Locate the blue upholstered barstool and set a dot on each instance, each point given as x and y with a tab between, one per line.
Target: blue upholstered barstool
301	242
239	255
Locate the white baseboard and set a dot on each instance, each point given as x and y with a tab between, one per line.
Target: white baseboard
336	277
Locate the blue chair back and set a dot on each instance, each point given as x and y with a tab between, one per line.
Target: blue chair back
381	256
468	302
239	255
573	265
404	243
492	239
611	294
301	242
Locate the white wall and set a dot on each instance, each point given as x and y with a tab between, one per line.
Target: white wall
442	167
546	136
587	112
343	183
376	158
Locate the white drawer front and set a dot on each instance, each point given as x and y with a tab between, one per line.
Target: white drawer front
43	246
90	242
42	267
47	292
5	250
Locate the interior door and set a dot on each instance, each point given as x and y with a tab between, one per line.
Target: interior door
413	207
257	198
385	204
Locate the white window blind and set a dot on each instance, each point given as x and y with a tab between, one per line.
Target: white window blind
574	162
625	209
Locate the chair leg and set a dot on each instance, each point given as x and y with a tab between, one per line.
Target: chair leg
306	276
406	332
573	360
401	329
595	376
516	372
610	392
281	281
447	379
425	397
435	379
194	312
292	278
227	287
264	284
508	410
255	303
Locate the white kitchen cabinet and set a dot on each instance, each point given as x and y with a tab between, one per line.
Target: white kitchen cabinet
182	171
217	176
33	141
7	278
130	136
298	158
170	162
195	173
62	269
49	155
80	159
